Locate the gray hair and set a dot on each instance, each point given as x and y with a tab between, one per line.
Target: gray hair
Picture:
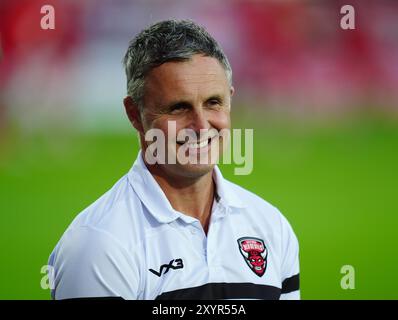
169	40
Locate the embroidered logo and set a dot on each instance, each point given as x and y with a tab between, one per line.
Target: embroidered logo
173	264
255	254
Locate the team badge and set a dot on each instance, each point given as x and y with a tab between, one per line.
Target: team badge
255	254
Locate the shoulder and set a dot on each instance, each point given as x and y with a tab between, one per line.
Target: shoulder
261	211
97	252
85	243
116	215
252	202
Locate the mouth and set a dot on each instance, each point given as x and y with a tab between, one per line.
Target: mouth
257	268
198	145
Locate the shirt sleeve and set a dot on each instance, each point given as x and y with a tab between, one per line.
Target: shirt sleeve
91	263
290	263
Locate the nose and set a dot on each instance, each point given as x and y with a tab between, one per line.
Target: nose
199	120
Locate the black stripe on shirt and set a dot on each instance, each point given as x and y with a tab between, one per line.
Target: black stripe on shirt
291	284
92	299
213	291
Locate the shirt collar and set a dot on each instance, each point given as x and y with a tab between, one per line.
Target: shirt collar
226	194
153	197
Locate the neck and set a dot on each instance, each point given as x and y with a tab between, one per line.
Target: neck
191	196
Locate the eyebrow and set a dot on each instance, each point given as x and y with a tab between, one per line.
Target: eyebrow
175	103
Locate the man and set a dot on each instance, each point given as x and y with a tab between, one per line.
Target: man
177	229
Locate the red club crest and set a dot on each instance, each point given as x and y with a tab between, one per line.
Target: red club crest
255	254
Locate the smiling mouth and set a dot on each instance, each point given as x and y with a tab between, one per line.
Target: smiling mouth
196	145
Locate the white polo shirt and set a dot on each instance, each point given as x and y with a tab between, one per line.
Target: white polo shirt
132	244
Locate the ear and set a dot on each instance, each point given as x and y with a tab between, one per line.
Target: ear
134	114
232	91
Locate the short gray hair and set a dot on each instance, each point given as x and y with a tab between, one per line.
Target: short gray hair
169	40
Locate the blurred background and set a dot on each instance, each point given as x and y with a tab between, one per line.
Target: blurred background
323	103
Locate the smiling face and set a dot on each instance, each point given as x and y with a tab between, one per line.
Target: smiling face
196	95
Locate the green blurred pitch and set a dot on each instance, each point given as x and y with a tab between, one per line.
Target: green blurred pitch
337	185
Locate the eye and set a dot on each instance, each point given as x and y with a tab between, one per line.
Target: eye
178	107
214	102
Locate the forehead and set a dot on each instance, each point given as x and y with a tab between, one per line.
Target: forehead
199	75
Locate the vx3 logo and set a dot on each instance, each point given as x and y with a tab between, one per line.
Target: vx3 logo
173	264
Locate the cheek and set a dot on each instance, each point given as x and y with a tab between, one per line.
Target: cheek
220	120
169	127
158	123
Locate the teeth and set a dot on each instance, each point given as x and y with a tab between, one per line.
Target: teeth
202	144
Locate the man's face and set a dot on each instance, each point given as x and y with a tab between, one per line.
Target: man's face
196	95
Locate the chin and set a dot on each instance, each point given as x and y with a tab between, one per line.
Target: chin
194	170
